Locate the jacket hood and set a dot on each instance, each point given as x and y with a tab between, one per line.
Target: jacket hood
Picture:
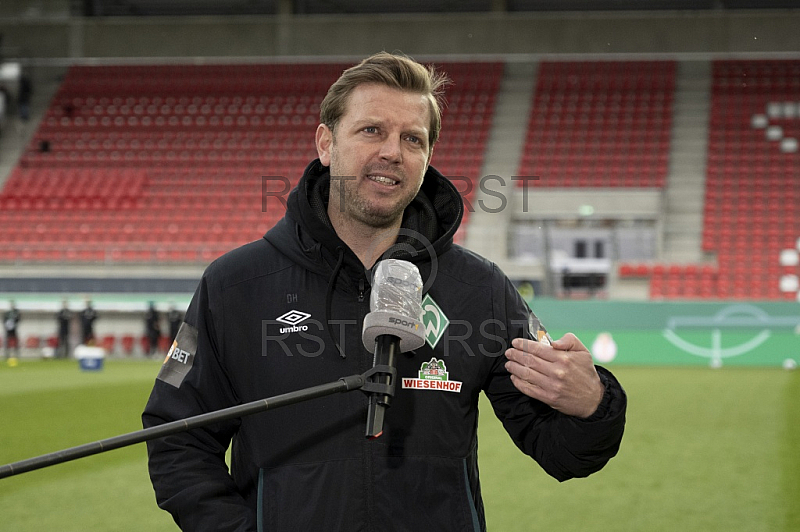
306	235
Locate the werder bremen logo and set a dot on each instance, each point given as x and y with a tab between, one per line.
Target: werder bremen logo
434	320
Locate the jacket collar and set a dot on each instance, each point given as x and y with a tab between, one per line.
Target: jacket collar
307	235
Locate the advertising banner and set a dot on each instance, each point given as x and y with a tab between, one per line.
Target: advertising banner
679	333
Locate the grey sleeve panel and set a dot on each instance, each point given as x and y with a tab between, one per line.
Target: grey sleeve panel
180	358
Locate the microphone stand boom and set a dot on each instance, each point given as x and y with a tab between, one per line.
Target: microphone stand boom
363	382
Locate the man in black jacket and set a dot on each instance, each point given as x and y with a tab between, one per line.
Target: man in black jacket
88	317
152	328
10	321
285	312
64	319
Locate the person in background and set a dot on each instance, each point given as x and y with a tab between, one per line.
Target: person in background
64	319
88	316
10	321
175	318
3	109
24	97
152	326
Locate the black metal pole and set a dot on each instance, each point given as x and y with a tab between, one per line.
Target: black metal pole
386	351
345	384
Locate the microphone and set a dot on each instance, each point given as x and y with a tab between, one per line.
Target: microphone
394	325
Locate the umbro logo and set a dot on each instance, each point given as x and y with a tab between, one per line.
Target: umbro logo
293	318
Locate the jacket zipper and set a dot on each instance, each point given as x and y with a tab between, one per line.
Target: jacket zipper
361	289
369	496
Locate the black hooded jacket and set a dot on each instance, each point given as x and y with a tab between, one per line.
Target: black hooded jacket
285	313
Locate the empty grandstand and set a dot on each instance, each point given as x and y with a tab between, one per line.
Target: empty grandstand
182	163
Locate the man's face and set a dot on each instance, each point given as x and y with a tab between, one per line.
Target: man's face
378	155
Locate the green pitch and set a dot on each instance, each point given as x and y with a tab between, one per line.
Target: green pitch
711	450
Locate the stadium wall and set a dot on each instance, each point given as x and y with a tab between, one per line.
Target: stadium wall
296	36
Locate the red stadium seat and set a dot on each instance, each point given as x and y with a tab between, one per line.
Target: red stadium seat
33	342
108	343
127	342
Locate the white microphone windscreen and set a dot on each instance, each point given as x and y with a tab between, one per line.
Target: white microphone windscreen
397	288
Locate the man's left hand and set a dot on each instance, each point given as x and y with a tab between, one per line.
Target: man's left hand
561	375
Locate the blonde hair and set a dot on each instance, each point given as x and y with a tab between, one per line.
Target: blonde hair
393	70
